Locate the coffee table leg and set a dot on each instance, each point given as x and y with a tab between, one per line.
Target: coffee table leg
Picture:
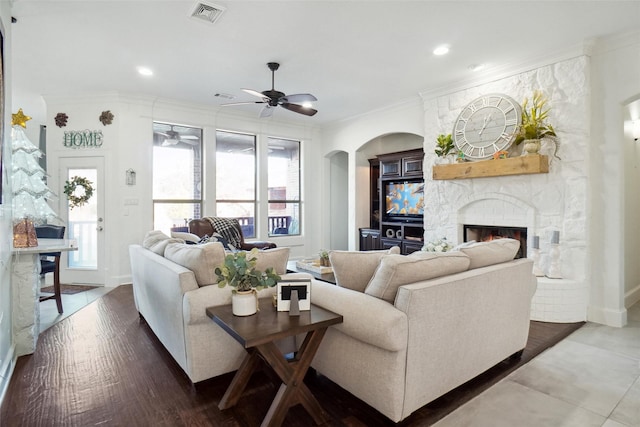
240	379
293	390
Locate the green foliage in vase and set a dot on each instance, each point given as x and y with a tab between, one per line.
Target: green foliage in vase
534	119
239	271
444	145
324	254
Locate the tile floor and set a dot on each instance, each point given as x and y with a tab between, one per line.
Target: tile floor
70	304
592	378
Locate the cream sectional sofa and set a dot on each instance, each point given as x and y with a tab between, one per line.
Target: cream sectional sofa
173	283
417	326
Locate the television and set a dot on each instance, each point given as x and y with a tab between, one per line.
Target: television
404	200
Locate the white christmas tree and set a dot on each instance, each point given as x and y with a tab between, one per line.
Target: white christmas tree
30	192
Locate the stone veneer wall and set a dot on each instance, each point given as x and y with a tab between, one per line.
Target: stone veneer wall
541	202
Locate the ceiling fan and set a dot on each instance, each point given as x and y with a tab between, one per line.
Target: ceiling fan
173	137
273	98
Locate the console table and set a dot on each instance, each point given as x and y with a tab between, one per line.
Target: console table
257	334
25	284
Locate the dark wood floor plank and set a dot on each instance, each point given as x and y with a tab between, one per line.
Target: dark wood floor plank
104	366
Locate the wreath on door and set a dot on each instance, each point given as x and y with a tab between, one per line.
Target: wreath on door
78	190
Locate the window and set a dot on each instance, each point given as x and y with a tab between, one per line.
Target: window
284	186
177	175
236	179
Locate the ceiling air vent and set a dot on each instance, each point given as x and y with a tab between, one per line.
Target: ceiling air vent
208	12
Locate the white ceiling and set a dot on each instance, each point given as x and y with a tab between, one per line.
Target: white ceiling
354	56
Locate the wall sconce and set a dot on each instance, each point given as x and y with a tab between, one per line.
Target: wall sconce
130	177
636	129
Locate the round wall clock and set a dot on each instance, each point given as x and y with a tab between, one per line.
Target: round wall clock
487	125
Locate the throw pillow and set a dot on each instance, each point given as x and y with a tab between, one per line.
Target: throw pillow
156	241
354	270
201	259
276	258
187	237
492	252
397	270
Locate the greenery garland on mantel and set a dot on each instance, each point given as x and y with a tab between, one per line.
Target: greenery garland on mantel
72	185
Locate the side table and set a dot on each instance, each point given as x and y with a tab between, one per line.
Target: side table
257	334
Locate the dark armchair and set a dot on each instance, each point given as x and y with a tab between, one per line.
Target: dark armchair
48	265
205	226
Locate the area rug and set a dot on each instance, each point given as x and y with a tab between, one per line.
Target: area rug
68	289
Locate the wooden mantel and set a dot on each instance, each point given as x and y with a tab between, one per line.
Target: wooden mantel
500	167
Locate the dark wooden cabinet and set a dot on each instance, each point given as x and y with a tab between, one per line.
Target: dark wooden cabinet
408	234
370	239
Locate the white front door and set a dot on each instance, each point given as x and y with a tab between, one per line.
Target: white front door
84	223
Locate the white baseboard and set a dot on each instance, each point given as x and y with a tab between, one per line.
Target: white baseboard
6	370
614	318
632	297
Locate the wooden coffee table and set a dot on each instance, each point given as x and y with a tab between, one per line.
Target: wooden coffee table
258	334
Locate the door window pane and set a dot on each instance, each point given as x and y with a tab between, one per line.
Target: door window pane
284	186
83	224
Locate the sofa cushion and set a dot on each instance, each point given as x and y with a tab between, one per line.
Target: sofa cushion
201	259
156	241
276	258
492	252
354	270
397	270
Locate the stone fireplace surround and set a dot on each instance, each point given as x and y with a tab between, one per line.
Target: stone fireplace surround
541	203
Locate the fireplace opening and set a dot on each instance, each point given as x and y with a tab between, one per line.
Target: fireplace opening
485	233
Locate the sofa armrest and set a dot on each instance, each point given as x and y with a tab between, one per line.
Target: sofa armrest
366	318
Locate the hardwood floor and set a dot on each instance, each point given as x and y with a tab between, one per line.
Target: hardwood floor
104	366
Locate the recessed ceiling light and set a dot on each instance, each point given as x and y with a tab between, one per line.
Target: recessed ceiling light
144	71
441	50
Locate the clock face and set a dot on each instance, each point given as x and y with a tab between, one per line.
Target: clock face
486	126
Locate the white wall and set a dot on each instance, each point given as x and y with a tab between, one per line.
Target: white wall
616	82
6	341
352	135
127	144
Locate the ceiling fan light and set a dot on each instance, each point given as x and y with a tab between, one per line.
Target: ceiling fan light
307	104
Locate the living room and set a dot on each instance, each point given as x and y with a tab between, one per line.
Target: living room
588	194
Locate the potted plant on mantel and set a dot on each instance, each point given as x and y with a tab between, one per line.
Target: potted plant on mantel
534	125
239	271
444	147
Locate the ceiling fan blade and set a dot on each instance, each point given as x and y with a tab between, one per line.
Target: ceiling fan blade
255	93
299	98
189	137
267	111
243	103
162	133
299	109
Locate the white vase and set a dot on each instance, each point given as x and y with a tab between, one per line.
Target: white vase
531	146
244	303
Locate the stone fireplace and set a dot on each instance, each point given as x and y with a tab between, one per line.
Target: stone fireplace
539	204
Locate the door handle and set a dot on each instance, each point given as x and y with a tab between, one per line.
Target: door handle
99	228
